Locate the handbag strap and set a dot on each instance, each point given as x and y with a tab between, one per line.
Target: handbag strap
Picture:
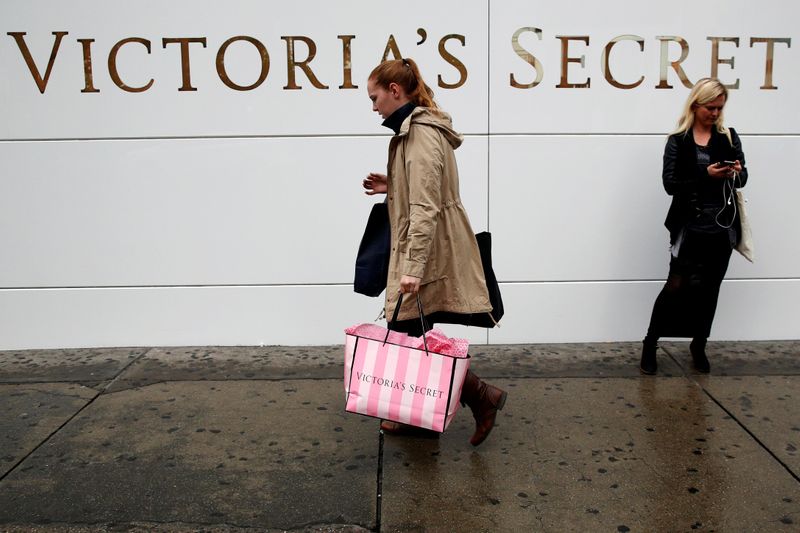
421	319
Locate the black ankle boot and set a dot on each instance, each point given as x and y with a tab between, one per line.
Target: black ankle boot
649	365
699	359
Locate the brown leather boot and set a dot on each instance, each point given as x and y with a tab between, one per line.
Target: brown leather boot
484	400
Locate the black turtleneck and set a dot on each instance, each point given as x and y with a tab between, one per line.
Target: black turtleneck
396	119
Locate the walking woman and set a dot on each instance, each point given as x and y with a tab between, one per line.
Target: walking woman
703	164
434	251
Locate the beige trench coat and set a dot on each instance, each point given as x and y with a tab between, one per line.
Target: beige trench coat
431	235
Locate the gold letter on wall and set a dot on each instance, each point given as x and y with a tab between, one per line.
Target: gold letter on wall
347	63
607	69
185	70
223	74
527	57
450	58
565	60
41	83
716	61
676	65
87	66
112	65
292	63
770	63
391	46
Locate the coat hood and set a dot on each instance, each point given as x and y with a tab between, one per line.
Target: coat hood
438	119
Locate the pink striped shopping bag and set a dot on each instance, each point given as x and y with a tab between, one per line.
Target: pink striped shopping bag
393	376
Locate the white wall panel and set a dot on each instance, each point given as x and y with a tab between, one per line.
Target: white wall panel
587	208
208	316
614	311
214	108
603	108
772	192
197	211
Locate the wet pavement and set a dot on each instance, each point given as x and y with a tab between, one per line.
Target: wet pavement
256	439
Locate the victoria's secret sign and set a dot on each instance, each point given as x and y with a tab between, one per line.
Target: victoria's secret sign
573	50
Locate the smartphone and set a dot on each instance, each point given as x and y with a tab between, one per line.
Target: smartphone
728	163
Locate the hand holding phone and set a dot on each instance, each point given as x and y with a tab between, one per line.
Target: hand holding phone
722	169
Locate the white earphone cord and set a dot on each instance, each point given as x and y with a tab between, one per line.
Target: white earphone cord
728	191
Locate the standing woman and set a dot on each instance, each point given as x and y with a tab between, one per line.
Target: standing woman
434	252
703	164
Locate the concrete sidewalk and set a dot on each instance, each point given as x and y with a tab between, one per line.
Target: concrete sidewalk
256	439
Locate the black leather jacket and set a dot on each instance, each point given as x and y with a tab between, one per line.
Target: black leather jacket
688	183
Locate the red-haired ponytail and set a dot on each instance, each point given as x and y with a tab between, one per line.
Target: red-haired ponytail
406	74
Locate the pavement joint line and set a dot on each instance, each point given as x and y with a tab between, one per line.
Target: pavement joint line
733	417
91	400
124	368
98	383
379	484
50	436
86	383
110	525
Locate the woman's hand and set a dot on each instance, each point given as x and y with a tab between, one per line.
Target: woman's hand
375	183
409	284
723	171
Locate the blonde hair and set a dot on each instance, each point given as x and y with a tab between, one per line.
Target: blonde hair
704	91
405	73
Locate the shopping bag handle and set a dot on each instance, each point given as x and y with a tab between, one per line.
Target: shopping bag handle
421	319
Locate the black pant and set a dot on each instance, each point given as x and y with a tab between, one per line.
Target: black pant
412	326
688	302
